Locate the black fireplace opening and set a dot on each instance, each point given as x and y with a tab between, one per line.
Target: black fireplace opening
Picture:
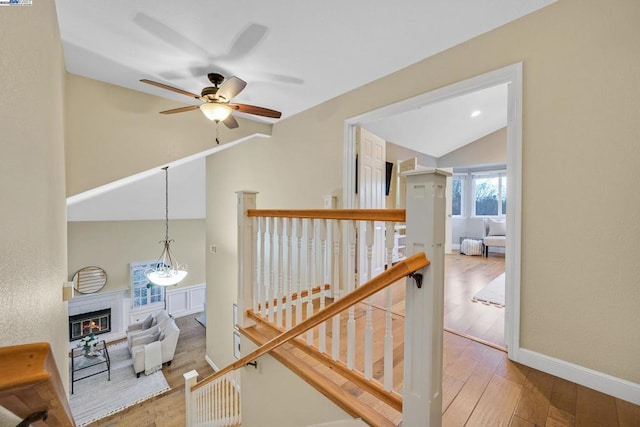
85	324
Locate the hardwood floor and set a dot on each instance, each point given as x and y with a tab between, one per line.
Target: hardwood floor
481	387
464	276
168	409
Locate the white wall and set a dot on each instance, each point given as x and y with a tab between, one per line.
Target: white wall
33	249
490	149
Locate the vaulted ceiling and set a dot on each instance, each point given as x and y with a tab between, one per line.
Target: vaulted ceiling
294	55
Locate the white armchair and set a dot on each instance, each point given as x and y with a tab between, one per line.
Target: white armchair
151	325
168	338
495	233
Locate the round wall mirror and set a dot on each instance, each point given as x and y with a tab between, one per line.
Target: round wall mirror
88	280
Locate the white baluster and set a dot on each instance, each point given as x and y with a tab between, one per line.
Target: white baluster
322	329
299	270
388	330
335	327
310	273
261	275
351	276
288	227
270	290
256	262
368	330
279	294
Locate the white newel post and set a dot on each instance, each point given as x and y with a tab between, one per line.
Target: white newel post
422	392
246	256
190	379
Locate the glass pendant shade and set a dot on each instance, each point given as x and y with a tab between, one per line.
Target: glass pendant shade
214	111
167	271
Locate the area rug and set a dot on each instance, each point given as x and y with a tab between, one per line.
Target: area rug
493	293
95	398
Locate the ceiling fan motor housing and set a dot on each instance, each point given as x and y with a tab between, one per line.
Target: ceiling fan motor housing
215	78
209	92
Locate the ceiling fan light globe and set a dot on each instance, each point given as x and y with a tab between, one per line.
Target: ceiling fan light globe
215	112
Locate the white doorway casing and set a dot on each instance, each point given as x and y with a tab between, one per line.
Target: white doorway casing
511	75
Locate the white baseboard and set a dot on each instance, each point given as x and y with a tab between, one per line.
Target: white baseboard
210	362
613	386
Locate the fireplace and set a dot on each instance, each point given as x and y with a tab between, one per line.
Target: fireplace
96	322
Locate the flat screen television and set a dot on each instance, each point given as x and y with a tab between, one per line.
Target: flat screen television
388	176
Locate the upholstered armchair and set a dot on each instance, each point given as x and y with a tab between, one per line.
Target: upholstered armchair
168	341
495	233
149	326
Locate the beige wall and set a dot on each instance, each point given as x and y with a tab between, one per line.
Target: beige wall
273	387
489	149
581	98
112	245
33	249
122	133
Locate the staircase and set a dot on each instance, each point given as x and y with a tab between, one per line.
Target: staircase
343	338
323	375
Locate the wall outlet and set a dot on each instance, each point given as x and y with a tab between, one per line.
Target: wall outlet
213	249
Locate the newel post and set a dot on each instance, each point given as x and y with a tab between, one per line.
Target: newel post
246	255
422	391
190	379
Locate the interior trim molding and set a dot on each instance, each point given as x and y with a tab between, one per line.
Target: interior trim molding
605	383
511	75
210	362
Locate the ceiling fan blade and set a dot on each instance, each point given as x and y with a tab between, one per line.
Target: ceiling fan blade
171	88
258	111
245	42
230	122
180	110
230	88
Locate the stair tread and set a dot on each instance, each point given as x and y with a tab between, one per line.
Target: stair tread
330	383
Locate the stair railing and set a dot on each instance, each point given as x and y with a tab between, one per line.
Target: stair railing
199	412
284	255
30	385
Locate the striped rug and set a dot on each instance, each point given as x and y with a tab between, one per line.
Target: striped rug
95	398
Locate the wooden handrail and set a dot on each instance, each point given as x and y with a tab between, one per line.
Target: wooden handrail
386	278
393	215
30	383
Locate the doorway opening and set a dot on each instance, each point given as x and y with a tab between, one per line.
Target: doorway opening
511	78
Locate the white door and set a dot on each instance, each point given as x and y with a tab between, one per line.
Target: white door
371	182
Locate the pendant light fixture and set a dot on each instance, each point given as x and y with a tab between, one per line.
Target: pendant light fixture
167	271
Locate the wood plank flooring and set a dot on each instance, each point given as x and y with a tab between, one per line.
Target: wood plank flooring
481	387
463	277
168	409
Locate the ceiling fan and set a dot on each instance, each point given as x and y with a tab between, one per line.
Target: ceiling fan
216	100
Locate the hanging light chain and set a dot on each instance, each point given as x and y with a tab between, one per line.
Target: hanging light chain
166	202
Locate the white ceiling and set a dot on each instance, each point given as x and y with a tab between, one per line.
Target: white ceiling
437	129
294	55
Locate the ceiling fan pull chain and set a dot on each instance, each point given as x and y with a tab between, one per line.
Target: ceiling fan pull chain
217	132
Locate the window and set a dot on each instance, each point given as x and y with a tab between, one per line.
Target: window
489	193
144	292
457	205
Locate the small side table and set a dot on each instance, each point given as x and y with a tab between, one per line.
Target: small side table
80	362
